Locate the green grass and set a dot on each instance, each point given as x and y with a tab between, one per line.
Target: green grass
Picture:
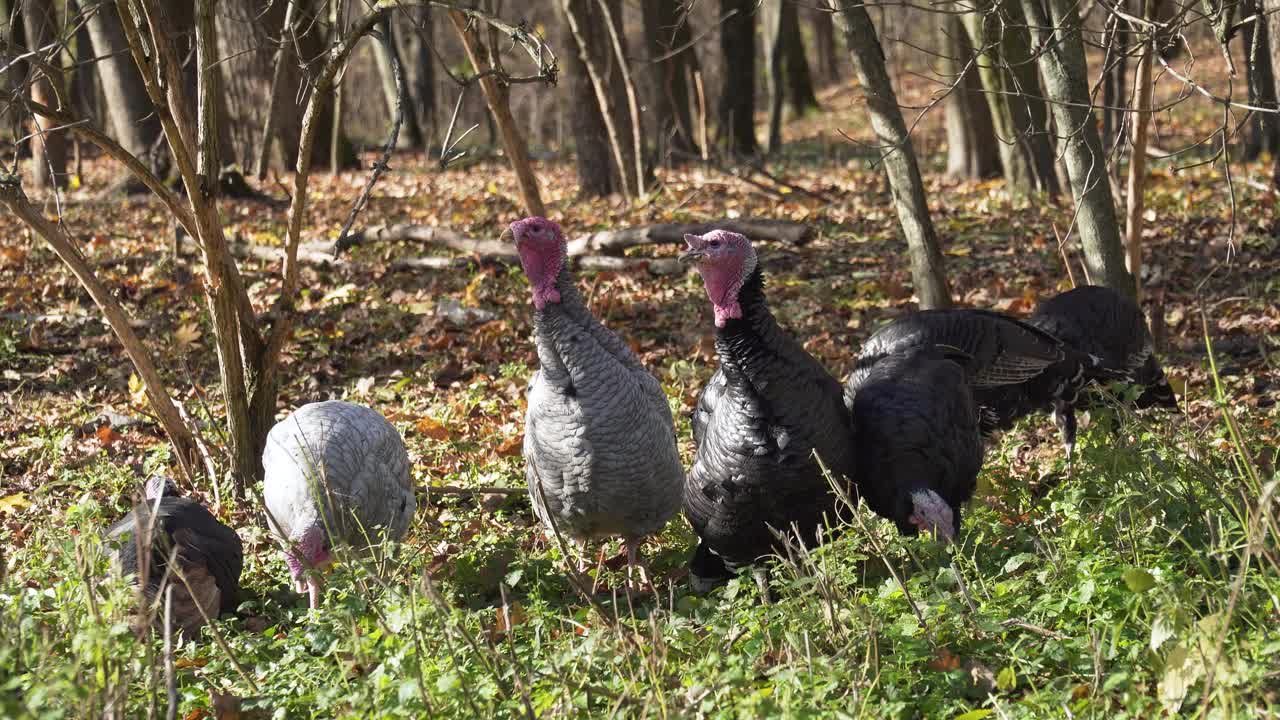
1146	583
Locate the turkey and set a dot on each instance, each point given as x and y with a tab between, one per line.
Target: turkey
599	444
336	474
1103	324
995	350
916	439
208	556
757	423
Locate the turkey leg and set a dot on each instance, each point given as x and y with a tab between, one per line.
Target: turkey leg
638	564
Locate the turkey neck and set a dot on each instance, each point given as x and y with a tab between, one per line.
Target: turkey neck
571	342
755	349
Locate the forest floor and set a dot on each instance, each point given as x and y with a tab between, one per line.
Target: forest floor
1145	583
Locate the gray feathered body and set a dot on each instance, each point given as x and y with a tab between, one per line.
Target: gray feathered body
599	444
340	465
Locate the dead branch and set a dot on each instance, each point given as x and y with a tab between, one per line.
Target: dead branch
12	197
497	96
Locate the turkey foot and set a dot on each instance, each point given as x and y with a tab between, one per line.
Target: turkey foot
637	565
584	567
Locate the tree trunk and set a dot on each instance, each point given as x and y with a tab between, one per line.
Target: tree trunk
420	71
1056	28
1012	91
669	39
590	135
799	79
247	34
1138	160
588	25
497	96
1272	10
771	21
1264	130
410	130
738	92
927	270
1114	76
48	146
824	39
972	147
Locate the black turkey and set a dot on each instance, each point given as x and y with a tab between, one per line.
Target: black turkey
599	444
916	438
207	556
996	351
757	423
1094	321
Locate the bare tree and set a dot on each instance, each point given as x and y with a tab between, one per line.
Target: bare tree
386	53
1011	87
1055	27
800	91
927	268
48	143
132	118
738	93
597	176
971	136
824	40
669	38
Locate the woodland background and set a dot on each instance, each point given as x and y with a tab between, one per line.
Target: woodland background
207	227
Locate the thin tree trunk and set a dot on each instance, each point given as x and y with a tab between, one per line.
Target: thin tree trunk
422	71
972	147
1056	28
738	93
824	38
669	39
497	96
1272	11
337	20
1012	91
1264	130
771	21
612	22
592	148
586	22
48	145
799	79
410	129
284	54
1138	160
927	268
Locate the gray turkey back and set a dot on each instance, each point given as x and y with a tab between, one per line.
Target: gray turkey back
917	440
336	473
599	445
207	557
1099	322
765	411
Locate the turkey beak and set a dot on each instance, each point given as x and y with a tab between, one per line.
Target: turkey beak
507	235
691	256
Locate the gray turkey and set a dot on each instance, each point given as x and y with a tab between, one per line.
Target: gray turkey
599	444
207	556
757	423
916	439
998	351
336	474
1098	322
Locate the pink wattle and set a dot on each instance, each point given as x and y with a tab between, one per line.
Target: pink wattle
725	313
545	293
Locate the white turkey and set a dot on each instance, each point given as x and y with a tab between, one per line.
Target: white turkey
207	556
336	474
1098	322
599	444
757	424
916	437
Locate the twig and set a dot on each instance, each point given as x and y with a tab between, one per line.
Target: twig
1043	632
457	490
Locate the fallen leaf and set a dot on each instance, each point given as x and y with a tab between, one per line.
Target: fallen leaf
107	435
512	446
184	663
187	334
431	428
11	504
944	661
509	617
